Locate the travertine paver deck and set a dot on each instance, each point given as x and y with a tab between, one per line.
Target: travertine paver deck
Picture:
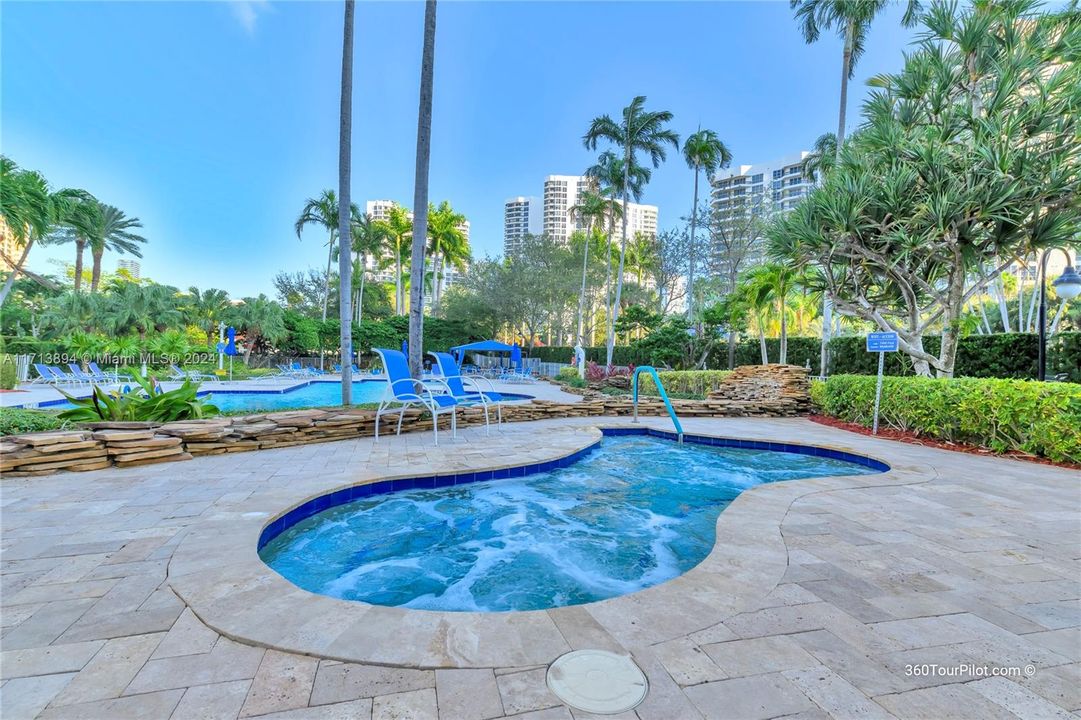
976	564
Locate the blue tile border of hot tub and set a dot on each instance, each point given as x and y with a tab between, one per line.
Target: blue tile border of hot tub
430	482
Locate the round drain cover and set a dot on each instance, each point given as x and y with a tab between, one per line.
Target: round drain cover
597	681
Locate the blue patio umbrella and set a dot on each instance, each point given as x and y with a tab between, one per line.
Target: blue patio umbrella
405	347
230	347
516	356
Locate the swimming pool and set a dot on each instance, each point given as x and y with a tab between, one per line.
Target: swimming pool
635	512
313	393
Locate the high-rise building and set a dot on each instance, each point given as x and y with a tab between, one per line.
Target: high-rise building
641	219
561	193
742	197
132	267
521	216
10	251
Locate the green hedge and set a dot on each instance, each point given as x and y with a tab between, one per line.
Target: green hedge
16	421
1006	355
1042	419
684	382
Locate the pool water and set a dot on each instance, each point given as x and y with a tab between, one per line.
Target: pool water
634	513
320	393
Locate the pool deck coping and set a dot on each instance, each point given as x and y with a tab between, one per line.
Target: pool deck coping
216	570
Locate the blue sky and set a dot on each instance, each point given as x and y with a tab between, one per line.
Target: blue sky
212	122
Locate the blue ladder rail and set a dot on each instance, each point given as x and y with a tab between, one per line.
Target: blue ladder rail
664	396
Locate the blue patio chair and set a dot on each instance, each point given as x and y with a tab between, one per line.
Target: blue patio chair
466	390
407	391
82	375
45	375
180	373
64	377
113	376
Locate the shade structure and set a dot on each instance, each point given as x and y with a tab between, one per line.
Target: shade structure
484	346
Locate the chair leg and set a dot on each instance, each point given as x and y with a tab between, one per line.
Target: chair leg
401	416
487	425
435	426
377	416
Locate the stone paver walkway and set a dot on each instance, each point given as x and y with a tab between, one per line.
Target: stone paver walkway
975	568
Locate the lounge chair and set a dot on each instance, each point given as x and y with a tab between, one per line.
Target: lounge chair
83	376
63	377
407	391
45	375
180	373
302	371
466	390
113	376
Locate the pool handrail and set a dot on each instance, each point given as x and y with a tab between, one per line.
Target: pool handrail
664	396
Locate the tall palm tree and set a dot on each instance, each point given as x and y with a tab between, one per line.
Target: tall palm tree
852	19
703	150
78	227
398	228
29	210
205	309
592	208
447	244
370	239
113	232
420	191
608	174
639	130
323	212
345	216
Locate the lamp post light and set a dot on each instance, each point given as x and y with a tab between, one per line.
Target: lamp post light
1067	287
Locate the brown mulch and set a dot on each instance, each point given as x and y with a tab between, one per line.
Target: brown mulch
914	438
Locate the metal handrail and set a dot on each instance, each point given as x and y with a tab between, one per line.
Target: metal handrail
664	396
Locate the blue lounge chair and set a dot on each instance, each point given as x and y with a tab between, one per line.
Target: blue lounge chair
472	393
181	374
81	375
113	376
45	375
407	391
64	377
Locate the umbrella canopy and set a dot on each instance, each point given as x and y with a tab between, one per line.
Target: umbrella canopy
516	356
484	346
230	347
405	347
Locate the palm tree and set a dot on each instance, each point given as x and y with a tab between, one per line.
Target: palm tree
420	191
113	232
205	309
608	174
638	131
345	215
143	308
28	212
322	211
821	158
447	244
369	240
398	228
852	19
592	208
78	227
261	319
703	150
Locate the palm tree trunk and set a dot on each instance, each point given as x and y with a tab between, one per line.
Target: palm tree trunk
15	271
95	273
622	253
846	70
690	272
420	192
345	256
360	295
784	332
608	274
399	296
582	295
80	246
762	340
326	279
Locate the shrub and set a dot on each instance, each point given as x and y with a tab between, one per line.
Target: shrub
567	373
9	376
698	383
16	421
1041	419
145	403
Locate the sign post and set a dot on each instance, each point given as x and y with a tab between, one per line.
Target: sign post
881	343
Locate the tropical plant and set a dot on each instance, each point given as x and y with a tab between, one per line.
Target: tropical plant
768	287
398	230
322	212
142	308
261	319
703	150
113	231
369	241
447	244
205	309
148	402
79	226
970	157
592	208
420	192
639	130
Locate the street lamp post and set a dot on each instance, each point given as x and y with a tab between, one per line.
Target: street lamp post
1067	286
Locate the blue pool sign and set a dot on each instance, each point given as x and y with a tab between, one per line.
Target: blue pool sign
882	342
